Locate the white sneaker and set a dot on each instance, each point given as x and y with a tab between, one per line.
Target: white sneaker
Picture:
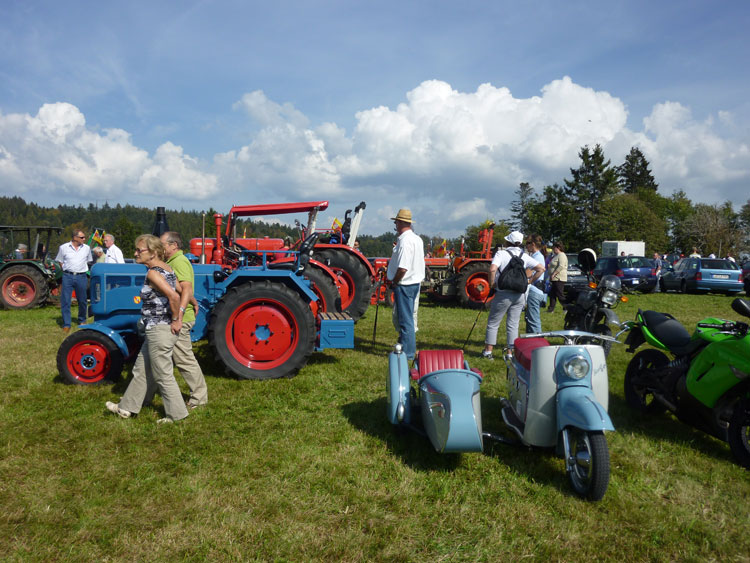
487	355
165	420
114	408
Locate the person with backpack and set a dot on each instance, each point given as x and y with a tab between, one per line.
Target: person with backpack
508	269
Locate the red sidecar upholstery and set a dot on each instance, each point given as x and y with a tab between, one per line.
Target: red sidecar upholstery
434	360
523	347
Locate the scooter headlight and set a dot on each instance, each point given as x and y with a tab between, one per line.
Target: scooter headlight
577	367
609	297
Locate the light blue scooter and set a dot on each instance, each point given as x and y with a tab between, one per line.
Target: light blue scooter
558	398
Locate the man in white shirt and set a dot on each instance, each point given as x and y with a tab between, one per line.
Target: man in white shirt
75	257
114	254
406	272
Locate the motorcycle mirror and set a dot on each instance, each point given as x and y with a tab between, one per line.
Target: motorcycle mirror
741	306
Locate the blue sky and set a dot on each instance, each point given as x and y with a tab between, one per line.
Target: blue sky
442	107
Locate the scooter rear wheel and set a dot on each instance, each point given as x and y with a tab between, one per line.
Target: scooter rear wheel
588	466
637	394
739	433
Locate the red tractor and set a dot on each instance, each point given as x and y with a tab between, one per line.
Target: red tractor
341	276
465	277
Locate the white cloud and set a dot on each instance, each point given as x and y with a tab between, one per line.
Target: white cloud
455	158
54	152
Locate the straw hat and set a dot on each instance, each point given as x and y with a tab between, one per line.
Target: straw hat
403	215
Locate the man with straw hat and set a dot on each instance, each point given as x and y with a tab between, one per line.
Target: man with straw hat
406	272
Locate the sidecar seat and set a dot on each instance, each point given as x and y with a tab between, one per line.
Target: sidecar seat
435	360
523	347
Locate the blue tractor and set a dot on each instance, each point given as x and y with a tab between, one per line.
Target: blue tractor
258	319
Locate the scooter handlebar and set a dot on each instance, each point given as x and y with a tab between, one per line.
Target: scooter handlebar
571	336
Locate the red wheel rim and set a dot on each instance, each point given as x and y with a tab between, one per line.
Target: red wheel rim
346	290
261	334
89	361
477	287
19	290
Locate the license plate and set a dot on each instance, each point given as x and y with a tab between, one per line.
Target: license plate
721	276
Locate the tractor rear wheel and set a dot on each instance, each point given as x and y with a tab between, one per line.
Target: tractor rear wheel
355	276
474	285
23	287
329	300
262	330
87	357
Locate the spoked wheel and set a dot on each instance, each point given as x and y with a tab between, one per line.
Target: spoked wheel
87	356
474	286
23	287
739	433
588	465
644	365
262	330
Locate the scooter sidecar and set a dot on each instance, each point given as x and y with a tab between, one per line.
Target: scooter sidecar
447	395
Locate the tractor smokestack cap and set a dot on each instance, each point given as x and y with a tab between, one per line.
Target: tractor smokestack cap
403	215
515	237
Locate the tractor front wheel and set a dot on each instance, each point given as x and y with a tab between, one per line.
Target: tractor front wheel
23	287
474	285
262	330
88	356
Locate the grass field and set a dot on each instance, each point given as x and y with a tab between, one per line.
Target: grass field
310	469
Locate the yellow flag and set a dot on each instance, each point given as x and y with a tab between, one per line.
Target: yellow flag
336	225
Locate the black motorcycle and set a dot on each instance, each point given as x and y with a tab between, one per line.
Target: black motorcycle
590	309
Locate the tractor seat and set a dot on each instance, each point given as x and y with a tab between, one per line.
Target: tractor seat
435	360
523	347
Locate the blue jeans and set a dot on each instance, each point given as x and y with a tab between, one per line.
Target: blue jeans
534	302
405	296
79	283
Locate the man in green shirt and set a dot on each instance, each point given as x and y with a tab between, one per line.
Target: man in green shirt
182	355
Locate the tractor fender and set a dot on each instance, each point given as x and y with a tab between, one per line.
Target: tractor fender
287	277
320	265
113	335
358	255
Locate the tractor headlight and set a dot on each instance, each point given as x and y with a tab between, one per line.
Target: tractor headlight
577	367
609	297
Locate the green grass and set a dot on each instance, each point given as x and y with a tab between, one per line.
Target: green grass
310	469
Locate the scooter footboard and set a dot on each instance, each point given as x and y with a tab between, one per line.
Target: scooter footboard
578	407
451	410
397	389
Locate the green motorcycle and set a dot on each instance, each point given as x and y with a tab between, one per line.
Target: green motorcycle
705	383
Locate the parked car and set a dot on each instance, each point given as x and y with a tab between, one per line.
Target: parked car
577	277
694	275
635	272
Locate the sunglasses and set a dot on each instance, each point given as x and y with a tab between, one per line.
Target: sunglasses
139	250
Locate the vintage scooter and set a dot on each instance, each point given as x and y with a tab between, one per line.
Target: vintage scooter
558	397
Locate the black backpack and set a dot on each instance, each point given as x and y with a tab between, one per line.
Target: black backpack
513	277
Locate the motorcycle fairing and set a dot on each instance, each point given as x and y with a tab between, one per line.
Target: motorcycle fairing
718	368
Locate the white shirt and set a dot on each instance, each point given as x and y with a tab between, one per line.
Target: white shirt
74	259
114	255
502	258
409	255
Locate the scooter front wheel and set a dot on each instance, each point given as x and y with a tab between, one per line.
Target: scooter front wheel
588	463
739	433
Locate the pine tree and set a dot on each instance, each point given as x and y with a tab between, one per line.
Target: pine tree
634	173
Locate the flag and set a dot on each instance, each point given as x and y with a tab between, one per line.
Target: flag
336	225
98	237
442	249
